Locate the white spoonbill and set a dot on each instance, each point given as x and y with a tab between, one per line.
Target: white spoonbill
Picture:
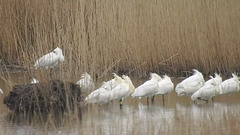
34	80
209	89
123	90
165	86
191	84
50	60
149	88
86	82
230	85
99	96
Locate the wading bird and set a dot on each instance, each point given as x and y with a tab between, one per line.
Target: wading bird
123	90
191	84
230	85
165	86
149	88
209	90
50	60
86	82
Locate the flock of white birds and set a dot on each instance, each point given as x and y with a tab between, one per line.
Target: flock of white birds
120	88
194	86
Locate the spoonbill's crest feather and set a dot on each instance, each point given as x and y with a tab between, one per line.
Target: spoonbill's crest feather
215	80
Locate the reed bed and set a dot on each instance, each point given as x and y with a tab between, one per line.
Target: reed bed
133	37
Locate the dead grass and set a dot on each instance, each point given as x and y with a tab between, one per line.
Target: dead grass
122	36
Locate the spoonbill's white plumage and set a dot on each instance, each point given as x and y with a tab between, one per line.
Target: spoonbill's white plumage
86	83
123	90
165	86
109	85
102	94
149	88
191	84
1	91
99	96
34	80
230	85
50	60
209	89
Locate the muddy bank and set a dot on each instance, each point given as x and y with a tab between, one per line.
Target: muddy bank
55	95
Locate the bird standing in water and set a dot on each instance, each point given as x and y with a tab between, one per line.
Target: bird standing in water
123	90
149	88
165	86
209	90
191	84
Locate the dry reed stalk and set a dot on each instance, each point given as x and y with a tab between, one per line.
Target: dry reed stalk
94	34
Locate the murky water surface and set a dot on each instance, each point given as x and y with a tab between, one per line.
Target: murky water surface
179	115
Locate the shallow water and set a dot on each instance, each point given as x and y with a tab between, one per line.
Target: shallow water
179	115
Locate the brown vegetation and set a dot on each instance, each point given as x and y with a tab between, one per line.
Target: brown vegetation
101	36
56	96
